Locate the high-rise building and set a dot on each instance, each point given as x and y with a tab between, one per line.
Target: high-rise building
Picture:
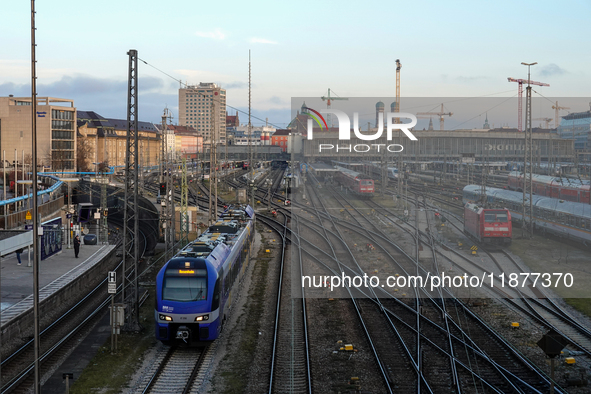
200	106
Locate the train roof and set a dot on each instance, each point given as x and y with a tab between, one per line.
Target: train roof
350	173
552	180
554	204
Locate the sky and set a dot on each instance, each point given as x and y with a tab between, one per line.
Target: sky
301	49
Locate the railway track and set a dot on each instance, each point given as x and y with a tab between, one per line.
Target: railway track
175	370
479	354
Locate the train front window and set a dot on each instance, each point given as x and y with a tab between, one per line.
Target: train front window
495	216
367	183
185	285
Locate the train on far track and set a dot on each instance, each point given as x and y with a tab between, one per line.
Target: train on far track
194	289
565	219
356	182
567	189
488	226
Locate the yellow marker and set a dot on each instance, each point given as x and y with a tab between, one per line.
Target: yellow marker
349	347
515	324
268	251
570	360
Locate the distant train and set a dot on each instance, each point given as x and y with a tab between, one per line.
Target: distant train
550	215
376	170
356	182
489	226
194	288
550	186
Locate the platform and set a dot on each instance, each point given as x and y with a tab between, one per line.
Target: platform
54	273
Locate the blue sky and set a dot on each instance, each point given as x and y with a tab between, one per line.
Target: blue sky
299	49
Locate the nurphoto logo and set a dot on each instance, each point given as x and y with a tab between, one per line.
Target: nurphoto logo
392	124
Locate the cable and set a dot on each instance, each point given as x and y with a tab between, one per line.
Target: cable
186	86
480	114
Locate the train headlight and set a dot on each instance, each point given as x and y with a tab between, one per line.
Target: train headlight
164	317
202	318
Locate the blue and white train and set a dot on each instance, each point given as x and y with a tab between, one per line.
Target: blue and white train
565	219
194	288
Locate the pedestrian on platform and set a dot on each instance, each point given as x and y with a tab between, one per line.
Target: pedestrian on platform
77	245
18	255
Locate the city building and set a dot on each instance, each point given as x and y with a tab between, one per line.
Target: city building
280	138
203	107
104	140
577	126
182	141
56	137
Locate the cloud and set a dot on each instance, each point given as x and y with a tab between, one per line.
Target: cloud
235	85
255	40
552	69
217	34
277	100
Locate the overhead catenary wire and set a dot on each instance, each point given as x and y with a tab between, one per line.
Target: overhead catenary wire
186	85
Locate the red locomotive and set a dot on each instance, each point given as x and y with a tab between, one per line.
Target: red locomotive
490	226
355	181
551	186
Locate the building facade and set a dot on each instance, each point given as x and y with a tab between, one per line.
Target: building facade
107	140
577	127
203	107
56	131
487	145
280	138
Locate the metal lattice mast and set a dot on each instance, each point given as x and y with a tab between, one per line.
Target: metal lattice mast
130	244
528	162
184	215
104	229
168	209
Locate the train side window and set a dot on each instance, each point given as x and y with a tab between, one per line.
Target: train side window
215	302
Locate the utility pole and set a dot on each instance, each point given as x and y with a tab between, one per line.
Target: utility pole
528	162
250	149
213	180
184	215
104	230
130	244
36	221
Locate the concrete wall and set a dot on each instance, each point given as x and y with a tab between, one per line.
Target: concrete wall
20	329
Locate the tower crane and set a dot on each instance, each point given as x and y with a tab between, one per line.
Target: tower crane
556	115
328	104
441	114
521	82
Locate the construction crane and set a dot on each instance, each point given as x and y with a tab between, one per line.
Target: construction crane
328	100
546	121
441	114
556	115
521	82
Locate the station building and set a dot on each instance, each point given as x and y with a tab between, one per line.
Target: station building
494	145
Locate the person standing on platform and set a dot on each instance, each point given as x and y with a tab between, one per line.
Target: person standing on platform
18	255
77	245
